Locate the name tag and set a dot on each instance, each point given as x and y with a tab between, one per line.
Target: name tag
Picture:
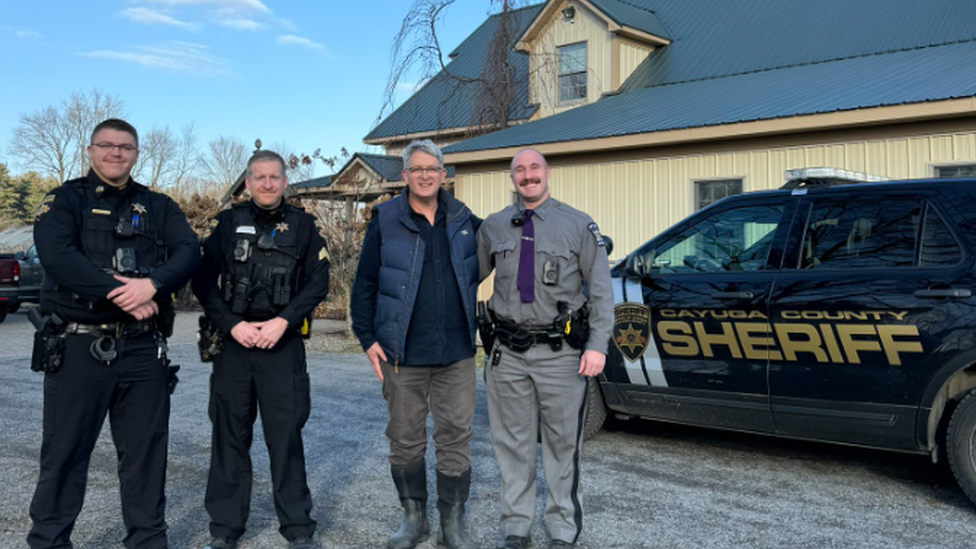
101	212
247	229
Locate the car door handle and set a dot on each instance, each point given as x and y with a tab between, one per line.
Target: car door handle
956	293
733	295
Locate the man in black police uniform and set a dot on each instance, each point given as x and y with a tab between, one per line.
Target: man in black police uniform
114	252
274	270
551	271
412	307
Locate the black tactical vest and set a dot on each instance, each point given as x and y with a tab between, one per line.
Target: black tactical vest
260	267
126	240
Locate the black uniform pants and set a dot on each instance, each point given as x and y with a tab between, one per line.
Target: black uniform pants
275	382
133	391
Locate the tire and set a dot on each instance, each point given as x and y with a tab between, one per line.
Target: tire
3	314
596	409
961	445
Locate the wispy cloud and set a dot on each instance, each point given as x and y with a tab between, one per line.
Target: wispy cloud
153	17
286	24
242	24
241	5
294	40
27	34
173	56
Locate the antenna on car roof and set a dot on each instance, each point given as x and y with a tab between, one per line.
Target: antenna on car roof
805	178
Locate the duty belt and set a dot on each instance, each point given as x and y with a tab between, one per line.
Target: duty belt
520	339
113	329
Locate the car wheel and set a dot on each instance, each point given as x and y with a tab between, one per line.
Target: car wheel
596	409
961	445
3	314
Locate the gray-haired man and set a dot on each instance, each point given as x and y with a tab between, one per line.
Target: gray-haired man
413	304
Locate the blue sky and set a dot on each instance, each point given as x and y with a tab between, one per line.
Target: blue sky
310	74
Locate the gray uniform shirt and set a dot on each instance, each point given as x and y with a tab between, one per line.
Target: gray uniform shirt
569	239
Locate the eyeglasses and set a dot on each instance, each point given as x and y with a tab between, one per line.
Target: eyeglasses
125	147
431	170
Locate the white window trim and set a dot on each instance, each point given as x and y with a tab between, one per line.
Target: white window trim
695	181
560	102
933	170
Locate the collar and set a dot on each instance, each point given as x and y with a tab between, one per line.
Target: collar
542	210
102	189
262	215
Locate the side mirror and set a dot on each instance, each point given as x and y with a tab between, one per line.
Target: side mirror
20	256
608	243
634	266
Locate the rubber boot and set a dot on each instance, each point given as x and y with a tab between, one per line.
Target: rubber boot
411	483
452	493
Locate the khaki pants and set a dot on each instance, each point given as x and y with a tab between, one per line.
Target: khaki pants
447	392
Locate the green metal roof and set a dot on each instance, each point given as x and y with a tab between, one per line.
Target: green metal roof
447	102
743	60
633	15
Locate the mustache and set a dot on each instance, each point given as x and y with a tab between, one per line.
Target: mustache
533	180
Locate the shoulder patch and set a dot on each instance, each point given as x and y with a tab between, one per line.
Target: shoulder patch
596	233
45	206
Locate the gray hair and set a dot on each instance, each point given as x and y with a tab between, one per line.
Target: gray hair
264	156
425	146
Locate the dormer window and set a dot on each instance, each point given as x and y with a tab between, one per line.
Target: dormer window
572	73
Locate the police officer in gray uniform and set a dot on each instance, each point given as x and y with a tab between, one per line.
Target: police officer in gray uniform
551	271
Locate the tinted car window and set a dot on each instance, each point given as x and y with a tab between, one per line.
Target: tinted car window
737	239
937	248
861	234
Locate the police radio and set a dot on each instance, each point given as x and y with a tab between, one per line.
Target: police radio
124	228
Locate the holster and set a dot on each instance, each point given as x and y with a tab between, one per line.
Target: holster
486	326
210	340
48	352
573	324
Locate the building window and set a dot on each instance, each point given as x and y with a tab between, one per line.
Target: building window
962	170
572	72
708	192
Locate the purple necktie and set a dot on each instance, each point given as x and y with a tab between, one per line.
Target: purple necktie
526	271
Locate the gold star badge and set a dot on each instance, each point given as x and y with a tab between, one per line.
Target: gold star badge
138	208
631	338
281	227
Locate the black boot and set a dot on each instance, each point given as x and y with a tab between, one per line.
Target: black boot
452	493
411	483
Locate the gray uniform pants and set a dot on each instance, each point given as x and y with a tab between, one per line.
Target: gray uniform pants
447	392
523	387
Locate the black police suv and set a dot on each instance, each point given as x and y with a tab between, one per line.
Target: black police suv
824	311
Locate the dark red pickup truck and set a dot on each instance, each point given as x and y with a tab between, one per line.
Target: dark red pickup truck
20	280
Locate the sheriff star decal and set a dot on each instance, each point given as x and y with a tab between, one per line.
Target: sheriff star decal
138	208
631	329
281	227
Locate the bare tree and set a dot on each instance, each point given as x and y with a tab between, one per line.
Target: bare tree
226	160
54	139
188	160
43	141
157	156
417	51
83	112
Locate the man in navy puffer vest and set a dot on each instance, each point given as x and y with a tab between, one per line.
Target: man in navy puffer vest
413	310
